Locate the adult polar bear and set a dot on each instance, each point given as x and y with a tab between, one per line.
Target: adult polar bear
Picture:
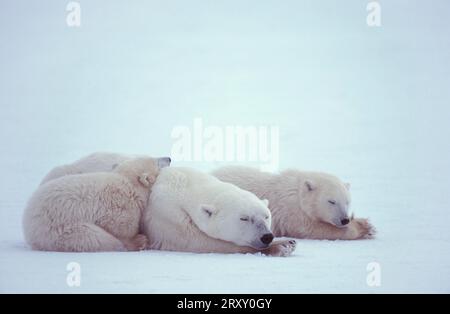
192	211
303	204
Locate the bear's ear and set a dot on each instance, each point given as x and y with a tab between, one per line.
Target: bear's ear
310	186
146	180
164	162
208	210
347	186
266	202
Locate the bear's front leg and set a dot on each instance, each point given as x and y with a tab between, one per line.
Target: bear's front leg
359	228
280	248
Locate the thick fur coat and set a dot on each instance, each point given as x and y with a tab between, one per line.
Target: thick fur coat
187	211
194	212
303	204
91	212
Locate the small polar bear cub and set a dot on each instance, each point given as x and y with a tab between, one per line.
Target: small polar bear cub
94	211
194	212
96	162
304	204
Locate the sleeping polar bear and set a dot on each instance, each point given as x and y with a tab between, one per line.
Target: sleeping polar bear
218	204
96	162
93	211
194	212
303	204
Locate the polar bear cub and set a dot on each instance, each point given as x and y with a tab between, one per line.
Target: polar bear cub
194	212
303	204
96	162
92	212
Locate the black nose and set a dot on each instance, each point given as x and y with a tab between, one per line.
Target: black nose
345	221
267	238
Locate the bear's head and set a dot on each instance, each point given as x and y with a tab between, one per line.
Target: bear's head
325	198
240	218
142	171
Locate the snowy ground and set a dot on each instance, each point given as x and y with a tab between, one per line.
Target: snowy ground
370	105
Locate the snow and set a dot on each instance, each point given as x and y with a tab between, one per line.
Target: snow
370	105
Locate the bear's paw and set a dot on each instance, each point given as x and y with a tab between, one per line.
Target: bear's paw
281	248
365	230
137	243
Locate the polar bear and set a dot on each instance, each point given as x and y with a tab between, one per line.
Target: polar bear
193	211
303	204
194	239
96	162
93	211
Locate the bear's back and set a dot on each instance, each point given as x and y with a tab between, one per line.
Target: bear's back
77	196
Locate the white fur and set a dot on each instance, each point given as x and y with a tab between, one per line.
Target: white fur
91	212
300	202
96	162
193	211
170	226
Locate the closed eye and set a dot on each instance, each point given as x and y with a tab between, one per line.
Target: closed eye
244	218
332	202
